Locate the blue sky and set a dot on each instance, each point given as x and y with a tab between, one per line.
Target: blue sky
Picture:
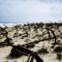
24	11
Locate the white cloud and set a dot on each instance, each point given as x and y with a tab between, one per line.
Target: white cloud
17	10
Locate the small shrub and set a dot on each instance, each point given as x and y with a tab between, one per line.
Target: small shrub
27	40
43	51
30	45
58	49
59	56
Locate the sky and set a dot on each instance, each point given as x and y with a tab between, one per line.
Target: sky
23	11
